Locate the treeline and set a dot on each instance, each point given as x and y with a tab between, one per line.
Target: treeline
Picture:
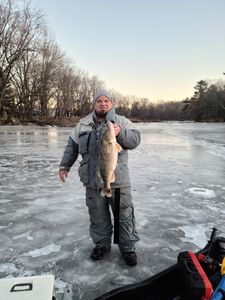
36	76
38	79
207	104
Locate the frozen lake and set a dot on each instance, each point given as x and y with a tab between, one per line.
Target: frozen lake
178	185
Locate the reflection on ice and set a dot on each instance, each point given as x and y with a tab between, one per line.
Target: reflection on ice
178	188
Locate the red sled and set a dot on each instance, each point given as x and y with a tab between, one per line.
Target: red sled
196	285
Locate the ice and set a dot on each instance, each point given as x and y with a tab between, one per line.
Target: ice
60	285
44	251
205	193
8	268
196	233
178	188
25	235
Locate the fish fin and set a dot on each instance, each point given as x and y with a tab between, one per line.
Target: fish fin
118	147
106	192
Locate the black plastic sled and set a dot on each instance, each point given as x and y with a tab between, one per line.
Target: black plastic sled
195	276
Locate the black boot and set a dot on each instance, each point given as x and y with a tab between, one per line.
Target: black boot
130	258
98	252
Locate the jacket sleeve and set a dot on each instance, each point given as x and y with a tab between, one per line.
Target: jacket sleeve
70	155
128	138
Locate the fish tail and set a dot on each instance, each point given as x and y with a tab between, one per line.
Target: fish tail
106	192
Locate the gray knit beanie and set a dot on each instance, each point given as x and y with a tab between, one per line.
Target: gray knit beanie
103	93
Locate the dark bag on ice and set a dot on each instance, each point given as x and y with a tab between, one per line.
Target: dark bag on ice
196	285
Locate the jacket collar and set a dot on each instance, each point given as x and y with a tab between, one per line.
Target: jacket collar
111	115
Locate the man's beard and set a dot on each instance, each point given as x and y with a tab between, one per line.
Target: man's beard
101	114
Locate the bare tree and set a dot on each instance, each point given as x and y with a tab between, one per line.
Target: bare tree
50	62
18	27
67	85
24	80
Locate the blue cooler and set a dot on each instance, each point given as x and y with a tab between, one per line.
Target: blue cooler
219	292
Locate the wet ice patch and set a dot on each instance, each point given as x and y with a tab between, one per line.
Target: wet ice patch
195	234
174	247
5	201
25	235
124	280
201	192
3	227
8	268
60	285
213	148
26	273
52	248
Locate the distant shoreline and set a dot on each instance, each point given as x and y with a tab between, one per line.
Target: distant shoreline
72	121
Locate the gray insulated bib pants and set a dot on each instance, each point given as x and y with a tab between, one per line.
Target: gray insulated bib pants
101	227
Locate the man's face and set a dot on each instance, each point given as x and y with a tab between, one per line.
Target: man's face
102	106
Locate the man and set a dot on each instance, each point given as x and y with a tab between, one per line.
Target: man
85	140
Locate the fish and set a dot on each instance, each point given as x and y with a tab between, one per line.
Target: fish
108	155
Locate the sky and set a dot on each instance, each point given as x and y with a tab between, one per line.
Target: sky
155	49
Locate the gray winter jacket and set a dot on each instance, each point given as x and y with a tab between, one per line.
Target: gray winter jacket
84	140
